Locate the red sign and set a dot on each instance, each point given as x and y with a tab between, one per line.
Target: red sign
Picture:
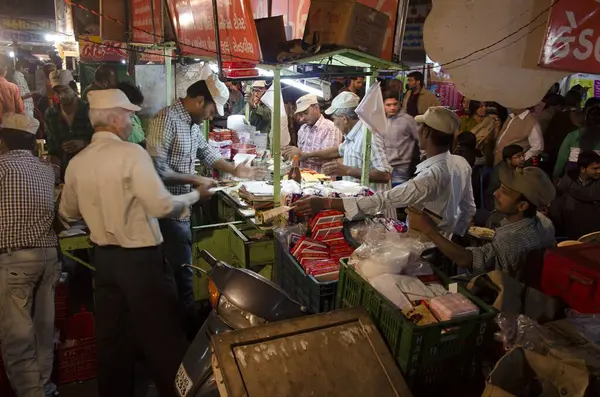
572	41
146	29
194	27
93	49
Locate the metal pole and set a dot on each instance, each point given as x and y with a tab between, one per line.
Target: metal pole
206	128
366	166
276	128
169	74
217	38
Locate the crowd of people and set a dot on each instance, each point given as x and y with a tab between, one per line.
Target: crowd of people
133	188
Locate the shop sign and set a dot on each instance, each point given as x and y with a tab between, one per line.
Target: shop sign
145	30
25	30
94	49
572	41
195	29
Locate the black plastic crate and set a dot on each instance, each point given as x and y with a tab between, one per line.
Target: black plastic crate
317	296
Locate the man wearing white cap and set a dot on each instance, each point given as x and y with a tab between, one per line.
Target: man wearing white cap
260	114
67	124
316	133
342	111
174	141
29	265
113	186
442	184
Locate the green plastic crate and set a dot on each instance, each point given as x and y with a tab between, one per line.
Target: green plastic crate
432	356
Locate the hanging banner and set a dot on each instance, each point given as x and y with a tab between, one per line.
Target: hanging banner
572	41
94	49
194	27
147	21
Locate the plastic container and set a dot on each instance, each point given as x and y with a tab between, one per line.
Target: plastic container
431	357
244	148
317	296
76	356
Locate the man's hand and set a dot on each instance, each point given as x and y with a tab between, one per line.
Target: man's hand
420	222
246	171
289	152
73	146
310	206
203	186
197	180
335	168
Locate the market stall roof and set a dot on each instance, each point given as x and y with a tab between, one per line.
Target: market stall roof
350	58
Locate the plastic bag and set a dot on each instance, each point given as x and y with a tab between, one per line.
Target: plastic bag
285	233
587	324
384	252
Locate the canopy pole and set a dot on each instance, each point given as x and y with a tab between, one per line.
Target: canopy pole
366	167
276	128
169	73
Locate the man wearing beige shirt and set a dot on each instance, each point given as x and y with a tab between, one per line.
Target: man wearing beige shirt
113	186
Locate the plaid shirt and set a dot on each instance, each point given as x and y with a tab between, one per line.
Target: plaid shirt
352	152
174	142
26	201
20	81
511	244
322	135
58	131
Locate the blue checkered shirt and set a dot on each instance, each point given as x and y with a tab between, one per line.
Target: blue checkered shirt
511	244
174	142
26	201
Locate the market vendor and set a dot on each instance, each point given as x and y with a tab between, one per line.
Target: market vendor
342	111
442	184
260	114
316	132
174	141
524	233
120	201
67	124
29	265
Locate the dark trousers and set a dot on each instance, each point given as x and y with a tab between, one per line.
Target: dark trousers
177	248
136	311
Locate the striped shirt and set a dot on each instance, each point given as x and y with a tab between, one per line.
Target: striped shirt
511	244
20	81
442	185
174	142
26	201
322	135
351	150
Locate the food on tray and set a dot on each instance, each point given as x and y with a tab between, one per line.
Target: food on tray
482	233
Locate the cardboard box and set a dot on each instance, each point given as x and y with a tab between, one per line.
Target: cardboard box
523	372
347	24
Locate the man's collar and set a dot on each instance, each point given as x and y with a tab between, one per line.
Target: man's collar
318	123
354	131
105	135
522	115
181	110
431	161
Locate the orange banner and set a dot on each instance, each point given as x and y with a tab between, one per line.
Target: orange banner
147	21
193	21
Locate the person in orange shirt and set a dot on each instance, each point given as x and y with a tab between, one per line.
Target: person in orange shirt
10	98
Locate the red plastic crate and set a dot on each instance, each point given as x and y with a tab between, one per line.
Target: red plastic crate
573	273
77	361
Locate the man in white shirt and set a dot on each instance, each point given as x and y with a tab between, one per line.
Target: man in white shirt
113	186
442	184
520	128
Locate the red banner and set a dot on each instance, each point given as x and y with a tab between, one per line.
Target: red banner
195	29
146	29
572	41
93	49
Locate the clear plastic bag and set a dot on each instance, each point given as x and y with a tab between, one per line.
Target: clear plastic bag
285	233
384	252
586	324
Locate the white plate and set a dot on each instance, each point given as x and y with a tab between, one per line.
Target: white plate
346	187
